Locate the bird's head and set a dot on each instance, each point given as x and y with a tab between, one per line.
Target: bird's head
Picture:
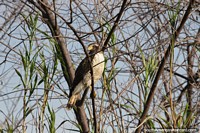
93	48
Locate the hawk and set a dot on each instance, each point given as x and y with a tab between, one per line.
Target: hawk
83	77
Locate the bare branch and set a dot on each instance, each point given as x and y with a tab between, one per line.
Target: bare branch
161	68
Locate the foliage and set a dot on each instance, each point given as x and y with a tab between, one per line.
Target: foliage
42	43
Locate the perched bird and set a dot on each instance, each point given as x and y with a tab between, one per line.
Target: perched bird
83	77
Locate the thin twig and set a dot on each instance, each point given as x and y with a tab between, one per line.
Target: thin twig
67	66
161	68
115	25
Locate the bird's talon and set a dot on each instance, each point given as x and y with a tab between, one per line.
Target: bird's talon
93	95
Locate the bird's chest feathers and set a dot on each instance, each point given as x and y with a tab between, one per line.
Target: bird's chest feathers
98	60
98	67
98	64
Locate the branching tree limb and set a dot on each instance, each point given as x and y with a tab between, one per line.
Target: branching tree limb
67	66
140	37
161	68
115	24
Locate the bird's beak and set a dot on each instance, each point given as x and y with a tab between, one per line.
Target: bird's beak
90	47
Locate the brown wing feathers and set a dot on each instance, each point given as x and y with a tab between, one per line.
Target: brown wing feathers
81	71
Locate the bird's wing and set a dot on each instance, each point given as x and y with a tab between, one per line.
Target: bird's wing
82	69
